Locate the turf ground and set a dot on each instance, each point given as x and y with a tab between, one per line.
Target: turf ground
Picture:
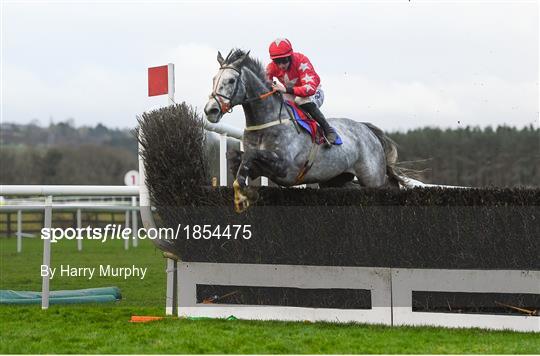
104	328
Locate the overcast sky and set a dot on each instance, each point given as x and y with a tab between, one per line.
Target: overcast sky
397	64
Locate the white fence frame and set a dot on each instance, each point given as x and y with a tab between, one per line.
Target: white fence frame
405	281
60	190
306	277
48	191
130	215
391	293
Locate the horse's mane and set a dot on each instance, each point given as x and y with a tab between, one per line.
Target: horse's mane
253	64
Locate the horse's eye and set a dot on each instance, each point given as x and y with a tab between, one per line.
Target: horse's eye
231	81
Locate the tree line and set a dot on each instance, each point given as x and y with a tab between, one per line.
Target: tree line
503	156
62	154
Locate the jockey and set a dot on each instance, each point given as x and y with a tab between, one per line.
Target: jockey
298	78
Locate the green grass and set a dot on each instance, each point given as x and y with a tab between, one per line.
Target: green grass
104	328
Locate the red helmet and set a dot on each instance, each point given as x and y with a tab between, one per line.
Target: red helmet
280	48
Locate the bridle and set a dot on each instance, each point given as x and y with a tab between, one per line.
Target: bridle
226	106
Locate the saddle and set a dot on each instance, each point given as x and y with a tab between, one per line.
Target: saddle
304	120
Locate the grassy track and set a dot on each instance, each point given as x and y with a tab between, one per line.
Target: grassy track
105	328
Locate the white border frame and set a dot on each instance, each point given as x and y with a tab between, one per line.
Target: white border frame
405	281
378	280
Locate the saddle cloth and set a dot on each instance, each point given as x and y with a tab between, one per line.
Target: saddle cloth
308	124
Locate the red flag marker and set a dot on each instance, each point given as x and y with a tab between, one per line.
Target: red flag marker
158	80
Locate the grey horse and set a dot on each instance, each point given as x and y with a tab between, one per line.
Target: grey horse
274	147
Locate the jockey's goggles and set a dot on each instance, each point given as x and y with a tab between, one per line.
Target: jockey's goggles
283	60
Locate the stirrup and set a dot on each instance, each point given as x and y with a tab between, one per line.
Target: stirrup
327	142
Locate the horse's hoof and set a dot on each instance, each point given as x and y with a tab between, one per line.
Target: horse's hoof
241	201
241	206
171	256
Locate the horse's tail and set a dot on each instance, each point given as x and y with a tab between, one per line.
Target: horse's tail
390	151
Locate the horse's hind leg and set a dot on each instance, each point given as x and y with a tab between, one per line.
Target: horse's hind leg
382	177
370	174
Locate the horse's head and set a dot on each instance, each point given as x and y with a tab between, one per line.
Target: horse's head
228	87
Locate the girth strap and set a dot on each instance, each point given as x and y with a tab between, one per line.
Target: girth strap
266	125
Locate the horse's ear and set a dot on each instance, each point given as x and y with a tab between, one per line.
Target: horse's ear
240	60
220	58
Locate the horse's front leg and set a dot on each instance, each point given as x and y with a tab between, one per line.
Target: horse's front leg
241	198
254	164
234	159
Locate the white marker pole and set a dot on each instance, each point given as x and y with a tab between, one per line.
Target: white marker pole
171	276
171	264
223	160
170	81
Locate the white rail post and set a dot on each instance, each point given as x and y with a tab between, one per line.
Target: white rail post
223	160
46	254
170	300
79	226
126	224
134	222
19	231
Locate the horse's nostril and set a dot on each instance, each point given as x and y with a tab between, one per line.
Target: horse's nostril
212	111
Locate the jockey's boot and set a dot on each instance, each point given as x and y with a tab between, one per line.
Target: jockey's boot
314	111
